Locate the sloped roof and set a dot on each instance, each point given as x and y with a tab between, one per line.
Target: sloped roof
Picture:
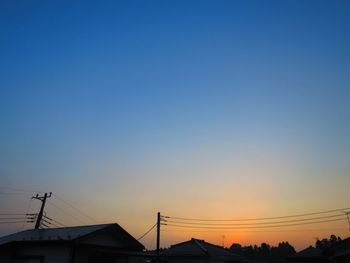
68	234
310	252
199	248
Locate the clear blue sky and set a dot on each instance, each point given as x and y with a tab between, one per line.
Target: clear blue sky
145	105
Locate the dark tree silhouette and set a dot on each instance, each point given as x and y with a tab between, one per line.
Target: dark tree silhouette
325	244
264	252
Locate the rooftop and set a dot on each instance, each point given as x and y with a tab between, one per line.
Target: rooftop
68	234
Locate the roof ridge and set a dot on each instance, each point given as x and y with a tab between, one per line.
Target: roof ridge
51	228
197	242
54	228
9	235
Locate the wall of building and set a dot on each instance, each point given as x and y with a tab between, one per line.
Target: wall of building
86	255
50	253
187	260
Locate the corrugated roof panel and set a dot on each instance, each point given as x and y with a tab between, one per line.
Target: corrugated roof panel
61	233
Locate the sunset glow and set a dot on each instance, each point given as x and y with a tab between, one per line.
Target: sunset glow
194	109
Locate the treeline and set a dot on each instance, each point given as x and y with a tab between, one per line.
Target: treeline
264	252
325	244
267	253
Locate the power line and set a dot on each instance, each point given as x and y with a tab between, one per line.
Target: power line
27	211
147	232
54	225
75	208
19	190
251	231
12	218
43	224
14	193
152	239
53	220
262	218
258	223
62	225
46	221
253	227
65	212
12	222
11	214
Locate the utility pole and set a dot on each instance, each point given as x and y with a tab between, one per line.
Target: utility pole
158	234
41	212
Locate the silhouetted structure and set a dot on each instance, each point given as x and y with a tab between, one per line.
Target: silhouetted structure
199	251
332	250
341	252
310	254
107	243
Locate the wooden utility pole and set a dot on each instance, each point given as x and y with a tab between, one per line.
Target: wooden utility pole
158	234
41	212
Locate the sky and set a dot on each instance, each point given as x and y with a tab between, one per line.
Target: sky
196	109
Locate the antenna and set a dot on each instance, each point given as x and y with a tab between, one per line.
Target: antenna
348	217
223	241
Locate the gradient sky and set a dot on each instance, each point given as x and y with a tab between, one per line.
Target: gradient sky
211	109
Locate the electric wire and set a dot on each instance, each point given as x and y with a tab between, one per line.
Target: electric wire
12	218
65	212
153	239
55	225
13	193
57	222
27	211
257	219
149	230
18	190
75	208
194	223
12	214
253	227
12	222
54	220
258	223
252	231
44	220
